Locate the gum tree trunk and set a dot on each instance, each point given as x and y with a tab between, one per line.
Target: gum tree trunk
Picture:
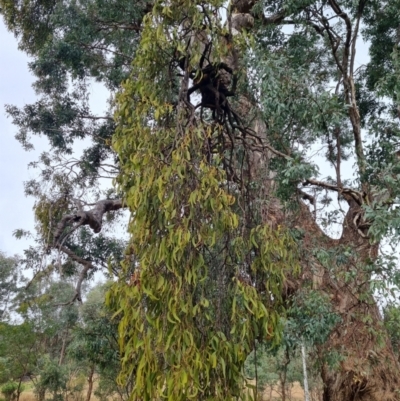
368	370
305	380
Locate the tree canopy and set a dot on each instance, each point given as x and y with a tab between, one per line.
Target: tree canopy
223	120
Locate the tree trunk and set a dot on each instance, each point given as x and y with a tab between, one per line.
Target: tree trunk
19	390
305	380
369	370
62	352
40	394
90	384
282	380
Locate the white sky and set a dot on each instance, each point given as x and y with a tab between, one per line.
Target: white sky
16	89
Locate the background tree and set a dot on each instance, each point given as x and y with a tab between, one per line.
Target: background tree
59	346
18	355
392	323
95	345
11	390
10	283
308	324
215	131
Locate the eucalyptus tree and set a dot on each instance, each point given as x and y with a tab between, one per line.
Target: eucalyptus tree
221	110
95	346
18	353
10	281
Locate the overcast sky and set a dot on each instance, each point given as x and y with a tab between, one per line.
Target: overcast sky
15	88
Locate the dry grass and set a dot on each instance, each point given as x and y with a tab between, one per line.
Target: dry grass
296	393
270	394
27	395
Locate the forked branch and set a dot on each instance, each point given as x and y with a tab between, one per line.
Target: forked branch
70	222
93	217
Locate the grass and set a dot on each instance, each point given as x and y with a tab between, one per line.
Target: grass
269	394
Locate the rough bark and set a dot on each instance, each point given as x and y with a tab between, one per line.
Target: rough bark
369	370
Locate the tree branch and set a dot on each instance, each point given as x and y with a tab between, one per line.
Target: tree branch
87	265
356	195
92	218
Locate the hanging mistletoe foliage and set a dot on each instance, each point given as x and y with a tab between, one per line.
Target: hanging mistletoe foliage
202	280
